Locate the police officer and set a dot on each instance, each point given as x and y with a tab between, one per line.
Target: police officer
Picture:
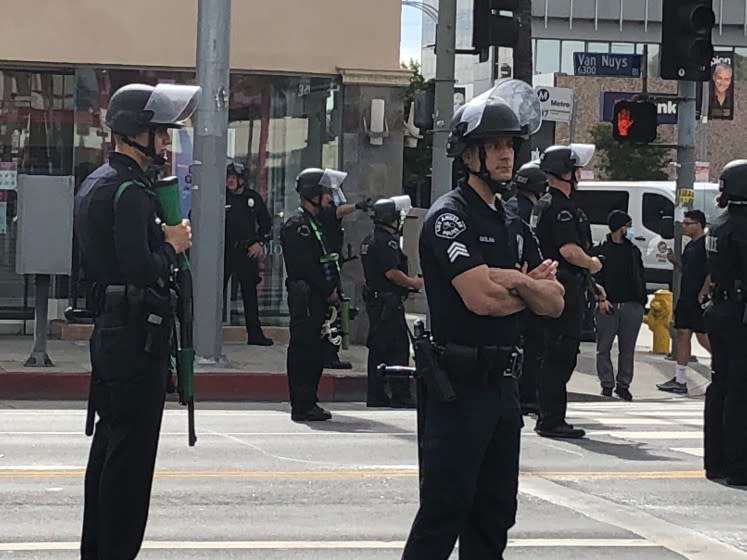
565	235
248	226
726	321
334	208
387	286
313	284
471	253
128	254
529	184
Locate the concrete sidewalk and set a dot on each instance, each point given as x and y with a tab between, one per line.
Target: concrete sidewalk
258	373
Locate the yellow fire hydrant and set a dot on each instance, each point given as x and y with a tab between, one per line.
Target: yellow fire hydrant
658	318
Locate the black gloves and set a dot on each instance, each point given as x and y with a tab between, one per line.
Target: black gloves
365	204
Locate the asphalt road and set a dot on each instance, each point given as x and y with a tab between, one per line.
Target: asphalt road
260	486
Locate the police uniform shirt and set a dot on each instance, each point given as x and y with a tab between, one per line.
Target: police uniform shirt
302	252
563	223
380	252
332	227
461	232
727	250
247	218
126	245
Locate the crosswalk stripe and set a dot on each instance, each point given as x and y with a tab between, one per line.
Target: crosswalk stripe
696	451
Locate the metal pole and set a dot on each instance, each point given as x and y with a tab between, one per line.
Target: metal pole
685	169
704	122
39	357
444	97
209	175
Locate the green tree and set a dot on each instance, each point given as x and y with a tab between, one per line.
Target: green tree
620	161
417	161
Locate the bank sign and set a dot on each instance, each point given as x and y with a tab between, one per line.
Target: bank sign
666	109
607	64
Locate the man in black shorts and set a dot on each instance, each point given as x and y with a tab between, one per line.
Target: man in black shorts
688	315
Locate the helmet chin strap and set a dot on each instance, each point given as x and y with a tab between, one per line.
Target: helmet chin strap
572	181
148	151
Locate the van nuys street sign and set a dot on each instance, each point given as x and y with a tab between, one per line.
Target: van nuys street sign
607	64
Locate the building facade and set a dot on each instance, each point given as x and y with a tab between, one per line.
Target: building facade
301	86
562	27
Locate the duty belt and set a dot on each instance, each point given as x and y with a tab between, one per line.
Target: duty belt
720	295
481	364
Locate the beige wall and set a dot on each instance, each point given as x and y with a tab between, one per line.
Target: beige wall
309	36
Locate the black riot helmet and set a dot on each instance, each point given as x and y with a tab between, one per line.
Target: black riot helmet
308	184
313	182
498	119
733	181
558	160
385	212
236	168
531	179
137	108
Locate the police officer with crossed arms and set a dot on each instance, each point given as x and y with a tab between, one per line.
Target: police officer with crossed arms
726	321
475	255
388	283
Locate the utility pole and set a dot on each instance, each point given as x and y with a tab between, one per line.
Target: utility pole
522	62
444	97
685	168
209	175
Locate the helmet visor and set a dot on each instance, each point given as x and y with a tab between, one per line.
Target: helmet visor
522	98
173	104
332	180
583	153
516	94
402	203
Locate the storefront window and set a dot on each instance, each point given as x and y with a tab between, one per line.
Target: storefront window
52	123
36	138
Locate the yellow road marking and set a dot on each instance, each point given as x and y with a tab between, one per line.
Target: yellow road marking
363	473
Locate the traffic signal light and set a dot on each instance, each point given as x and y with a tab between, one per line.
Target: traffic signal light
686	45
634	121
489	29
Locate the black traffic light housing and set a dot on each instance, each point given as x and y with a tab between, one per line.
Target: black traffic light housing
686	44
490	29
634	122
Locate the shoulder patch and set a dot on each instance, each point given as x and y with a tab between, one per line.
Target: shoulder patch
449	226
250	202
564	216
457	250
393	244
303	230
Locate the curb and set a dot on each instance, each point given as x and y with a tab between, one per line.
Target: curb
209	386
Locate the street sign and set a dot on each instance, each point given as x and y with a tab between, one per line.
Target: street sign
557	103
666	109
607	64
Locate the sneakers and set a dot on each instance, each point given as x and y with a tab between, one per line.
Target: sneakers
606	391
315	414
624	393
672	386
564	430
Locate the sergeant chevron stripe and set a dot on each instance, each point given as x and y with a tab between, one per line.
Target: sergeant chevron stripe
456	250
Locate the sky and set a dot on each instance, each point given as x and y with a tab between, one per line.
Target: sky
411	29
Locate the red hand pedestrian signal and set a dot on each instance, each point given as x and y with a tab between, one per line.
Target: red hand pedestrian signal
634	121
624	122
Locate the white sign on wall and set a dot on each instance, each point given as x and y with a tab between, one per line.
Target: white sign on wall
557	103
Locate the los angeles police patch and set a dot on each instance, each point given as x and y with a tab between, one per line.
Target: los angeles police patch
393	244
565	216
449	226
250	203
303	230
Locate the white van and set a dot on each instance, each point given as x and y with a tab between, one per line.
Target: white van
646	202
